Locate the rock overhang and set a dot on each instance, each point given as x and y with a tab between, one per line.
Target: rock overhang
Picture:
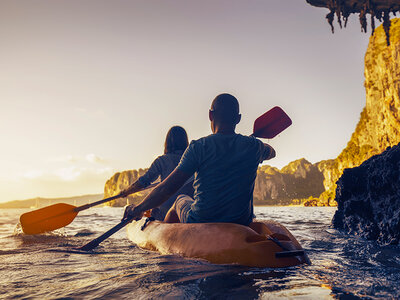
376	9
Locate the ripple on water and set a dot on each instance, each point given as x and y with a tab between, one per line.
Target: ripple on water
43	266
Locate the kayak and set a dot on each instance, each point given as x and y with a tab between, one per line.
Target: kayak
261	244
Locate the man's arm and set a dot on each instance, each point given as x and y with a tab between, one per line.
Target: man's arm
272	152
159	195
133	188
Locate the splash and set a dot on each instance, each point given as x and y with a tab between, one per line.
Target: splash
18	229
55	233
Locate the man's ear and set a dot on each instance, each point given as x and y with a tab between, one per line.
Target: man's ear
210	115
239	117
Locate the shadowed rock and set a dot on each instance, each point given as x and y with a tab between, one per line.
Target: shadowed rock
368	198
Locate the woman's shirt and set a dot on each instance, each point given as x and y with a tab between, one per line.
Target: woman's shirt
162	167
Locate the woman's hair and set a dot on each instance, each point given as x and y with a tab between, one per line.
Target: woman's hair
176	139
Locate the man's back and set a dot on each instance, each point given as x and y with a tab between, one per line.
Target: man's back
226	168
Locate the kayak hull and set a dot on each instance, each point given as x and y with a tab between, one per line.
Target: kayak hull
220	243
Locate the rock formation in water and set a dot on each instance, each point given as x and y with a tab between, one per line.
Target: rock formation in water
379	124
377	9
368	198
120	181
298	180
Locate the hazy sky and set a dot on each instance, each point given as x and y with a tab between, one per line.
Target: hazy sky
89	88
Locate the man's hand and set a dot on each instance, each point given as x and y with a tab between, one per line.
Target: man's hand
133	213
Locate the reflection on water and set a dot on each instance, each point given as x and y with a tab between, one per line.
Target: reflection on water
43	266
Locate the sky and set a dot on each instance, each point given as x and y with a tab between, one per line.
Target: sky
90	88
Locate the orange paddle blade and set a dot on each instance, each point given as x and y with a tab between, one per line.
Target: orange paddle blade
47	218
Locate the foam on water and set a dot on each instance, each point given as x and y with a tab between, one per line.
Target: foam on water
47	266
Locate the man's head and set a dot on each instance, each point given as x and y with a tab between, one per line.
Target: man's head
224	112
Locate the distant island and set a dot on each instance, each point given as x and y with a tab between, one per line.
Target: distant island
39	202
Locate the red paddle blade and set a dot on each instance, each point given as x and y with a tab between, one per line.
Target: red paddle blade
271	123
47	218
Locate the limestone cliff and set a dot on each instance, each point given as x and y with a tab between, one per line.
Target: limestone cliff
298	180
378	127
120	181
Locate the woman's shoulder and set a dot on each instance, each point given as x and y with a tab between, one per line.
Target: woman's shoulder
169	156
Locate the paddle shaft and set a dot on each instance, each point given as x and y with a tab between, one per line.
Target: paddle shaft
89	205
94	243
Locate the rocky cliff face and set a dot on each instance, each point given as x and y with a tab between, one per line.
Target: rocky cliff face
298	180
120	181
368	198
379	123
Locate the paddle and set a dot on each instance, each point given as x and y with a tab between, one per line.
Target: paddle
56	216
271	123
267	126
94	243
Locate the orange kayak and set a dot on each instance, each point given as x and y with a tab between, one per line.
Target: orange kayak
262	244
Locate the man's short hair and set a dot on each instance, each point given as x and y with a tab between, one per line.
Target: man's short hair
225	108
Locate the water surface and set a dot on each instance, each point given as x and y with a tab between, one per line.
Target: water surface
344	267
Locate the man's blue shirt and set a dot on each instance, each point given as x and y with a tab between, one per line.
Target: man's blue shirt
225	168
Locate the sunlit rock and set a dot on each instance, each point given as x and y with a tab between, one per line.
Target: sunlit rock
379	124
120	181
298	180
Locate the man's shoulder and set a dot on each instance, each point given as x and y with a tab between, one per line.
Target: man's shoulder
246	139
249	138
219	137
201	141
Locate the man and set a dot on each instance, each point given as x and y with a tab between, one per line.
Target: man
225	167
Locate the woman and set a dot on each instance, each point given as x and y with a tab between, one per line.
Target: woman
175	144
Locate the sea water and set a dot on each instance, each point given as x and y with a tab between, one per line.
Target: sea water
343	266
